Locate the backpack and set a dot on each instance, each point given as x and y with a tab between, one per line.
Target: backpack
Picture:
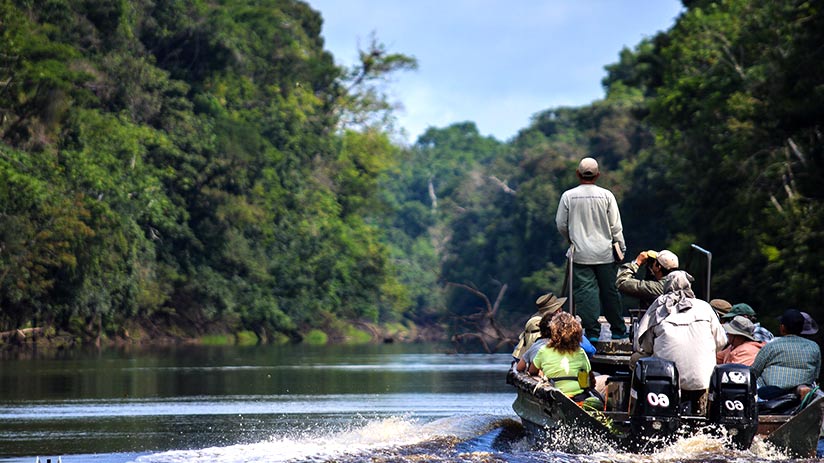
527	336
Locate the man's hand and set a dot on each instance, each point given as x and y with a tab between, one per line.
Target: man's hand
642	257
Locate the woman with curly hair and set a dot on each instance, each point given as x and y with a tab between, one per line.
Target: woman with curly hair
562	358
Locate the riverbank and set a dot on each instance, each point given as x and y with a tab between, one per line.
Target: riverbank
136	334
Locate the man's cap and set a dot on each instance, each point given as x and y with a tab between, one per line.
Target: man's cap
810	326
741	308
742	326
793	321
548	303
721	306
588	168
667	259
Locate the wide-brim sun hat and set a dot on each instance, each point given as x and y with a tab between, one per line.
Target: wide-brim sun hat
810	326
549	303
741	326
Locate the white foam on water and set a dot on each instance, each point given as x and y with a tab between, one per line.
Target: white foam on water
324	444
701	447
767	451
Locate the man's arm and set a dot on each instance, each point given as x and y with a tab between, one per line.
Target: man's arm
760	362
615	225
627	283
562	217
719	333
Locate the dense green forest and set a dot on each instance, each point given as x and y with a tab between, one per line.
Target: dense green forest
191	168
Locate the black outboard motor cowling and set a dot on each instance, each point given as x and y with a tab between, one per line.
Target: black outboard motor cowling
654	399
732	403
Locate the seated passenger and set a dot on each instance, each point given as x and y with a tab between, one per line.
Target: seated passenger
684	330
721	306
562	358
760	333
543	326
545	304
788	361
742	347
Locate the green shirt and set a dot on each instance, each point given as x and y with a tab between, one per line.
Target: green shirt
555	364
787	362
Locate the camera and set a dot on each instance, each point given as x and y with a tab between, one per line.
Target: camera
652	256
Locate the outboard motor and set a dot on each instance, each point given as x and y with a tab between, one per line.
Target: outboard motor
654	399
732	403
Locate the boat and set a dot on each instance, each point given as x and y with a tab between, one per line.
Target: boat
553	419
643	409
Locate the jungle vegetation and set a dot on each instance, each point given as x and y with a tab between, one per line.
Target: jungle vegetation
191	168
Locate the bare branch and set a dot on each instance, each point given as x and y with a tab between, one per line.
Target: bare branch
473	291
797	151
487	329
502	184
432	195
776	204
498	299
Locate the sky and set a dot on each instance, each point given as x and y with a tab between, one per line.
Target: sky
492	62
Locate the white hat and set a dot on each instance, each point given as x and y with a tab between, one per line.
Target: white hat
588	168
668	259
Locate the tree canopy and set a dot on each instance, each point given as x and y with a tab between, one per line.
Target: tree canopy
193	167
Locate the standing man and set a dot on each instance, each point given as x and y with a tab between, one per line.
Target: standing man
588	218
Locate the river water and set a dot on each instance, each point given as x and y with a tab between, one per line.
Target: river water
384	403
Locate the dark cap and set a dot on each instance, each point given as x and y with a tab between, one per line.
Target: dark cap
740	309
793	321
721	306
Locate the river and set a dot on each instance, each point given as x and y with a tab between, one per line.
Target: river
378	403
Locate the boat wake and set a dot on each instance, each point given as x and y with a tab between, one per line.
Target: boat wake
373	441
464	438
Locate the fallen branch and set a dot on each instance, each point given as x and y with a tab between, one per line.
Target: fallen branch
20	333
487	329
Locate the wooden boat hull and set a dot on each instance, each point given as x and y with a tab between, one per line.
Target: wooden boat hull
556	421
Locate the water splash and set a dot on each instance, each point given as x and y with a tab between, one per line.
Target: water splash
707	445
371	437
462	438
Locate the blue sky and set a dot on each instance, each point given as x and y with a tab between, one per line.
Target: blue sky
493	62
